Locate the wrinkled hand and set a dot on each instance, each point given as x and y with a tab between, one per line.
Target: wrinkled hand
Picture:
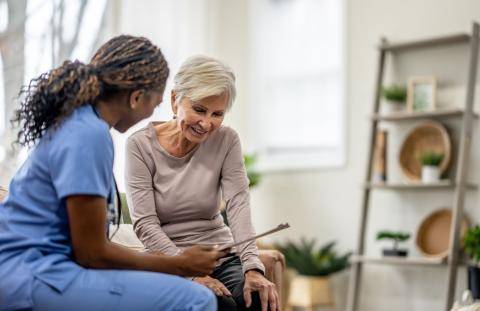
256	282
215	285
198	260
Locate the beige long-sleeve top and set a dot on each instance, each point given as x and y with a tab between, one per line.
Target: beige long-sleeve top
174	202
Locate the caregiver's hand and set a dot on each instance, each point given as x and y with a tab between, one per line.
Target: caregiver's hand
198	260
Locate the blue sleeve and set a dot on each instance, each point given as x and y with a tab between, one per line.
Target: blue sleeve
81	161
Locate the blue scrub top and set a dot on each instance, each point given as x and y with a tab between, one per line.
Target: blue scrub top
76	158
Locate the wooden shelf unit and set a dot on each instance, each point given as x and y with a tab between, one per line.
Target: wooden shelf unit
442	185
411	116
462	38
400	261
459	186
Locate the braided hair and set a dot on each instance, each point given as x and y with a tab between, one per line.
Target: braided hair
123	64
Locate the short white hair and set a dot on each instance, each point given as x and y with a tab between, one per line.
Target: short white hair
202	76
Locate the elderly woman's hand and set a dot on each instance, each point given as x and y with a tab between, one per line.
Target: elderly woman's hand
256	282
215	285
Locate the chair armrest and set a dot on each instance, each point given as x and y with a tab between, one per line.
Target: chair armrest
3	193
274	263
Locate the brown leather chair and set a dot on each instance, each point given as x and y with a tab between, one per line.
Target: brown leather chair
274	263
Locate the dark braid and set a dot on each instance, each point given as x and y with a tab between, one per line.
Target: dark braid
125	63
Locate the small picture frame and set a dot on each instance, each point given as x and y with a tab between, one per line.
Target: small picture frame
421	93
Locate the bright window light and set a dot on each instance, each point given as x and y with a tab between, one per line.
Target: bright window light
297	61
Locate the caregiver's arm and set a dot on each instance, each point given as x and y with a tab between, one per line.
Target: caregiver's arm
92	249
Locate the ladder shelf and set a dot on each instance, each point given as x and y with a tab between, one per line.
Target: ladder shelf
458	186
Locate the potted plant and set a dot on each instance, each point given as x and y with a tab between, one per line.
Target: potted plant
430	162
396	237
395	96
311	287
471	241
253	175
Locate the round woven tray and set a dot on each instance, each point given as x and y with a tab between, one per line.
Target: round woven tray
427	137
433	235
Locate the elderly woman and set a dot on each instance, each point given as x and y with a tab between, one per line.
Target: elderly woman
178	171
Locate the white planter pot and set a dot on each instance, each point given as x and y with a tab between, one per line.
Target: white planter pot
389	107
430	174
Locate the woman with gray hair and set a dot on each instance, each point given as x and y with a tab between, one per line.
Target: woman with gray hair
177	173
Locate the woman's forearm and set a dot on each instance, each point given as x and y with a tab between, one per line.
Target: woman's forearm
238	213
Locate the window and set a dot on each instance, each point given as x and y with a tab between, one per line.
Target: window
297	61
39	35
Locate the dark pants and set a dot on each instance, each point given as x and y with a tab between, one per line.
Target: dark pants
231	275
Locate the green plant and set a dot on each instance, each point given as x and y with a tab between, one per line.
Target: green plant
396	93
253	175
395	236
309	261
431	158
471	242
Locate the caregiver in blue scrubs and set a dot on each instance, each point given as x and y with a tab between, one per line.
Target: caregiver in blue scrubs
54	249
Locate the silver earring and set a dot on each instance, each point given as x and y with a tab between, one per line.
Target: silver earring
174	116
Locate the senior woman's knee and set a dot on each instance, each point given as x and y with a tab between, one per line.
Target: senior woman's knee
226	303
237	295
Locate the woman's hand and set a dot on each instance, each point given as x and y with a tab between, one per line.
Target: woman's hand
198	260
215	285
256	282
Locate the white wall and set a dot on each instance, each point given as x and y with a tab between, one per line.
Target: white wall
326	203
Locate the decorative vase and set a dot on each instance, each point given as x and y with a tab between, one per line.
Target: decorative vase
474	281
430	174
466	303
380	157
310	291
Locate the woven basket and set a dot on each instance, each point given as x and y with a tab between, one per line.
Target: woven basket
433	234
428	136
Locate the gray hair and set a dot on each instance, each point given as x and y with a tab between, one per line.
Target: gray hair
202	76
